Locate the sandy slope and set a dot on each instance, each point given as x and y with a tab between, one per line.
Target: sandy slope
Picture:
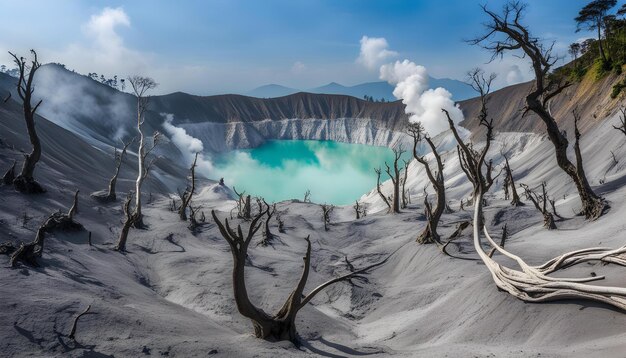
170	295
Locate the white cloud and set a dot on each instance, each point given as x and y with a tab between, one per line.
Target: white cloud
103	25
514	75
103	50
298	67
374	51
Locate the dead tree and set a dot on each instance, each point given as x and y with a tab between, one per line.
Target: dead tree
394	175
509	183
282	325
244	208
405	200
380	192
141	86
29	253
327	210
429	234
25	181
74	208
472	161
267	234
193	219
188	194
110	195
359	209
129	217
622	121
540	202
9	175
506	33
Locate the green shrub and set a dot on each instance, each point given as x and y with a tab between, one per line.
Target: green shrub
617	88
601	68
617	67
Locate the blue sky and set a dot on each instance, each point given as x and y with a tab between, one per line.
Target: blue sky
219	46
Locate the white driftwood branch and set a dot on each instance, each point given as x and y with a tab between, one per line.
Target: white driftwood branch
532	283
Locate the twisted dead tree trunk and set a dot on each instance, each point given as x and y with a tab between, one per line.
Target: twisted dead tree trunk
110	195
510	182
532	283
405	197
25	181
380	192
128	223
186	197
74	208
141	86
429	234
267	234
282	325
327	210
394	175
540	202
515	36
243	205
29	253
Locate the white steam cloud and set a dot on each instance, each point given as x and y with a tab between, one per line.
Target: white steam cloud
411	86
374	51
187	144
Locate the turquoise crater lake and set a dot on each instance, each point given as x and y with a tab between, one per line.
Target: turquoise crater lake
335	173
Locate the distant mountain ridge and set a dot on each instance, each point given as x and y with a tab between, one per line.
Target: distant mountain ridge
378	90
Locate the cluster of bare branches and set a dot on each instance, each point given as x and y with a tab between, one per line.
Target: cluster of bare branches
244	206
281	325
360	209
540	201
327	211
394	172
29	253
622	120
186	196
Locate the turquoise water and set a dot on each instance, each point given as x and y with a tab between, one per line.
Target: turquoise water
335	173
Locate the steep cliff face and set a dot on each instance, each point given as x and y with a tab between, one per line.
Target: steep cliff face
236	108
220	137
229	122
